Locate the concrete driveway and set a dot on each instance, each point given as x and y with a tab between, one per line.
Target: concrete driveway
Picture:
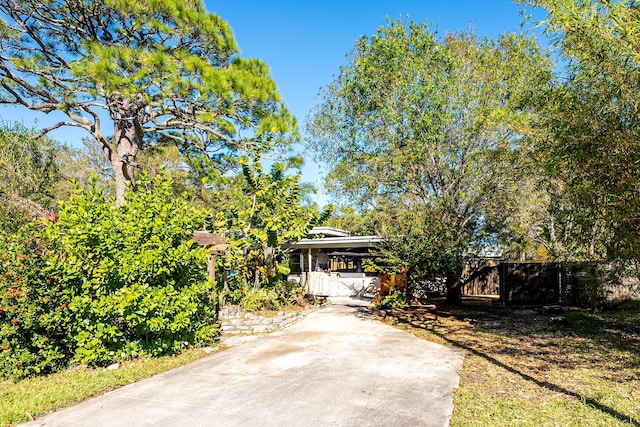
336	367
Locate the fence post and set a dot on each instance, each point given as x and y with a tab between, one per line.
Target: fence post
502	283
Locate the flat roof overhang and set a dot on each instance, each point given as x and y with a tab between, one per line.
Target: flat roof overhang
351	254
336	243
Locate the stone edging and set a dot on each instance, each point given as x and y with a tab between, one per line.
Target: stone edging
234	320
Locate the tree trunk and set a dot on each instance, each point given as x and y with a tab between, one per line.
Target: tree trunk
121	180
123	159
594	279
454	290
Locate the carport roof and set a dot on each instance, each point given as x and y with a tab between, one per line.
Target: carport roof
337	242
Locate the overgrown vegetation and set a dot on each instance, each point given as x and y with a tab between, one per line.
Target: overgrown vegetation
99	283
281	294
520	370
528	150
28	174
263	211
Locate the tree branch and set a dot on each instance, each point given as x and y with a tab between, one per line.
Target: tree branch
56	126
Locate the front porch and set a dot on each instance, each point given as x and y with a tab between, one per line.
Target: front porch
331	264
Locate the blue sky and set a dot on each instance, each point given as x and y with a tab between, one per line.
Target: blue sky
305	42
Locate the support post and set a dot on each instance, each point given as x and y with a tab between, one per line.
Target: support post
212	267
215	244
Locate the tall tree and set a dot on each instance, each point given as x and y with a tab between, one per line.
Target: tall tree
415	124
590	122
140	69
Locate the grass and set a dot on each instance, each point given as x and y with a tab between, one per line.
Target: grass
32	397
519	371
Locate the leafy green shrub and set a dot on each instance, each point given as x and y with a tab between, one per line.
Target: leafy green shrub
289	292
109	283
282	294
261	299
395	298
33	333
136	282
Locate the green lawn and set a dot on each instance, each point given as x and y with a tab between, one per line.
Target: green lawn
33	397
519	371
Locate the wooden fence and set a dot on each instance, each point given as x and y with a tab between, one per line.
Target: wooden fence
531	283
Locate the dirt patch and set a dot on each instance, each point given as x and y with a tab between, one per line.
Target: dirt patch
516	361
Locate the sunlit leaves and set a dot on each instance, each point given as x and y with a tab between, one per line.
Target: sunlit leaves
154	67
414	123
589	129
262	212
101	283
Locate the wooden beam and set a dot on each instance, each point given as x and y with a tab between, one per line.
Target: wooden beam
220	247
206	239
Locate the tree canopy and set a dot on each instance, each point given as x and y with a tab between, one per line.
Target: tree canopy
128	72
589	124
417	125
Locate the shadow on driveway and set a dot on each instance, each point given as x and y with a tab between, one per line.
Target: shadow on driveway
335	367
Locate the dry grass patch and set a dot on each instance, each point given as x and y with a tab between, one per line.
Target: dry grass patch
520	371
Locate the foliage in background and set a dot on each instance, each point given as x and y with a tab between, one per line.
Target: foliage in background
79	163
156	69
103	284
279	295
262	214
589	128
420	123
347	218
162	160
165	160
28	173
530	217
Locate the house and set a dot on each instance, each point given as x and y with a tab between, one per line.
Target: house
330	262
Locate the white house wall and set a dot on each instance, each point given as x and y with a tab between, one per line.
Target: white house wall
337	285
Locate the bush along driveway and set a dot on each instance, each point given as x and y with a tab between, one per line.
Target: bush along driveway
336	366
